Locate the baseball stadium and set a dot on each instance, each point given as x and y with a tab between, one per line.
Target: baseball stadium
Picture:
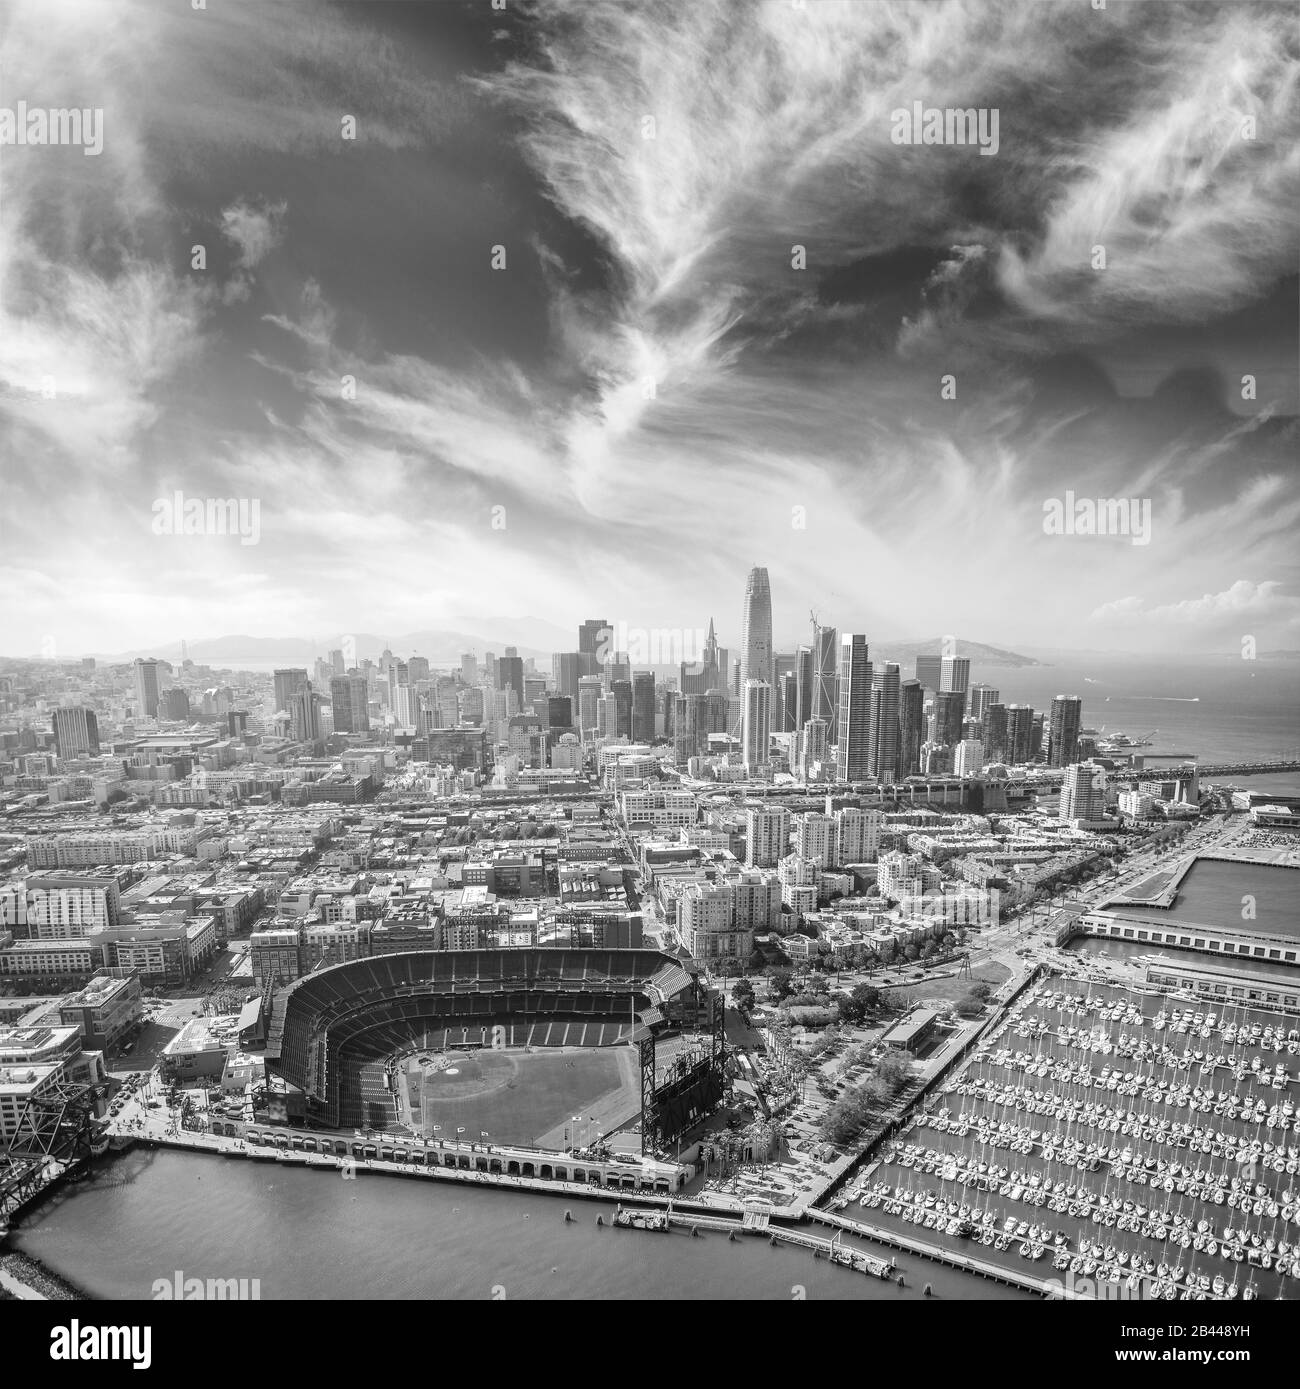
527	1046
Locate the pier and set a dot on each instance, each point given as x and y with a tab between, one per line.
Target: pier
985	1268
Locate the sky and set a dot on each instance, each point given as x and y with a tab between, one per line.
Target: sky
657	389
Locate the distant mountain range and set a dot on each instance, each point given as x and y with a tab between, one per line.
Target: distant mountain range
533	636
906	652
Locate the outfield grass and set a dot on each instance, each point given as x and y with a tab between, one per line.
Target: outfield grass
520	1097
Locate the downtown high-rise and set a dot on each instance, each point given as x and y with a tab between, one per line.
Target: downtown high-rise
757	723
1063	733
146	687
853	742
885	731
756	630
825	697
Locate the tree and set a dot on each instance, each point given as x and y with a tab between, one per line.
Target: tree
969	1006
949	942
782	982
867	996
894	1070
743	995
980	990
910	952
928	950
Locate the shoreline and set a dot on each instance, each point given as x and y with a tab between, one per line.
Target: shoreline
41	1281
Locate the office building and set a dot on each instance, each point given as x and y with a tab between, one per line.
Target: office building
643	706
825	694
946	721
288	682
510	676
174	705
76	732
853	743
147	676
979	697
566	670
911	726
589	696
929	670
304	715
622	693
559	711
756	630
954	675
348	699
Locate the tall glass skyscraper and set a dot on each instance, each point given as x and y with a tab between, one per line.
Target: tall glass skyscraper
853	745
756	630
1063	736
824	698
885	735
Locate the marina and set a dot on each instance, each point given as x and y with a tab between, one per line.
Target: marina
1111	1135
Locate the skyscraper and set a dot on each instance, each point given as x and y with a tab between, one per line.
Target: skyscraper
979	697
911	726
643	706
349	700
589	694
76	732
304	715
803	686
949	707
510	675
885	732
559	711
469	668
954	674
995	732
756	630
174	704
1020	732
592	638
853	744
146	687
566	668
929	669
785	692
757	724
1063	736
825	698
622	692
287	682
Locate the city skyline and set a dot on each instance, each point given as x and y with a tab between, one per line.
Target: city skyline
585	284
